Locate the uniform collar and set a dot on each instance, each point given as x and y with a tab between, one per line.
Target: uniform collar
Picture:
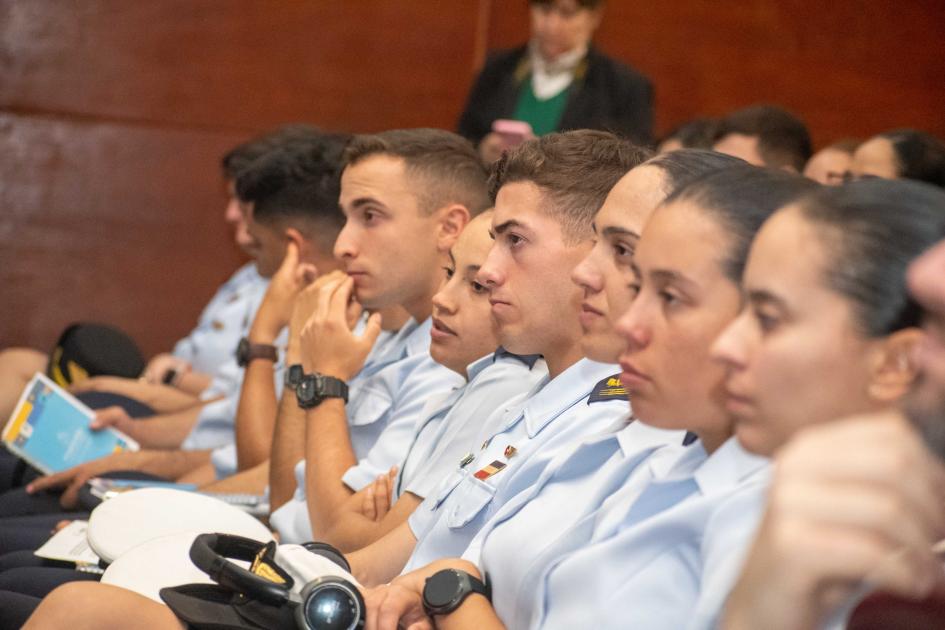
528	359
501	354
411	339
638	435
728	467
562	392
476	367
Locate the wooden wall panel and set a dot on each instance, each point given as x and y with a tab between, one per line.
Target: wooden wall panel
113	113
108	222
850	68
247	64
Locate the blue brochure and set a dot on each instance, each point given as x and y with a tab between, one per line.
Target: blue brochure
50	429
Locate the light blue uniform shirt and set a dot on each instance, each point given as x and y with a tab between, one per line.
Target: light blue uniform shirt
555	414
385	402
451	424
216	423
225	458
518	546
225	319
666	559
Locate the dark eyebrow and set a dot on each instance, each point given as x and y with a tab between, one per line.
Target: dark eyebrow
762	296
619	231
668	275
511	223
366	201
472	268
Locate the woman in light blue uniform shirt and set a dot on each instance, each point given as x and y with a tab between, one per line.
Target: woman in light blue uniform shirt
685	280
822	337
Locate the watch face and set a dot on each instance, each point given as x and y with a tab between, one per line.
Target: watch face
306	389
441	589
294	375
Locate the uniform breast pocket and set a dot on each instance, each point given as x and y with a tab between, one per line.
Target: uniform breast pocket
367	407
469	499
446	486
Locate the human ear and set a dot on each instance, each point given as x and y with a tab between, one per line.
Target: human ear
302	243
893	368
452	221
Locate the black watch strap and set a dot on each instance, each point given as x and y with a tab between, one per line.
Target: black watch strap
314	388
246	352
331	387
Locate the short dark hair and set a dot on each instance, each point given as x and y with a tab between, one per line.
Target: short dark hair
242	155
575	170
298	184
445	165
875	228
741	198
919	155
685	165
699	133
783	139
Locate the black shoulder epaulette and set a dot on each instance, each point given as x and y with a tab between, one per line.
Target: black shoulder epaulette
609	388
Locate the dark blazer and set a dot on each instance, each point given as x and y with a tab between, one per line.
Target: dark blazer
606	94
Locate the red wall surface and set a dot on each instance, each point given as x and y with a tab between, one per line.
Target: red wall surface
113	114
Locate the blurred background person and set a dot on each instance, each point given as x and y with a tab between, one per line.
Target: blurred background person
830	165
901	153
765	135
698	133
556	82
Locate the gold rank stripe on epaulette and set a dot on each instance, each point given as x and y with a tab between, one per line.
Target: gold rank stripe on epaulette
609	388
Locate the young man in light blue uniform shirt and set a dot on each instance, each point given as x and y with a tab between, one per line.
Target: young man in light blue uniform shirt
579	400
393	246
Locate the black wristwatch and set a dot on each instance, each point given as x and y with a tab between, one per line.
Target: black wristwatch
293	376
246	352
445	590
314	388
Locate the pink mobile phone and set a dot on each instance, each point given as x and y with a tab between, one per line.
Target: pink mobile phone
513	132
